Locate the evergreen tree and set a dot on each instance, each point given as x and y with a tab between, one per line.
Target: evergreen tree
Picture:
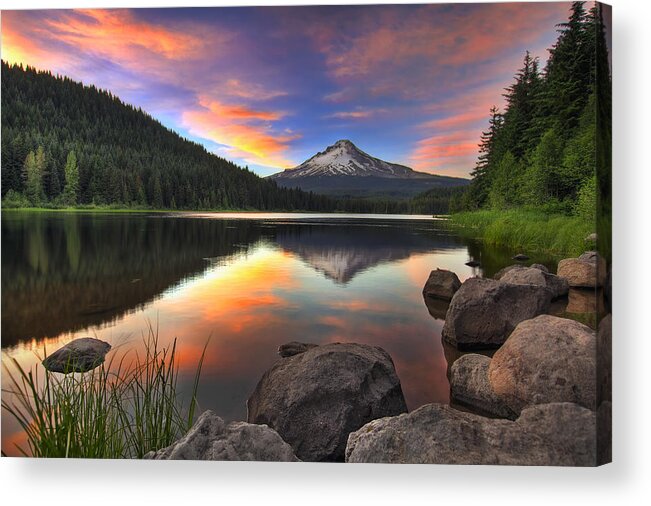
33	176
71	189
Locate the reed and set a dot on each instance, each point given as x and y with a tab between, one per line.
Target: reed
120	409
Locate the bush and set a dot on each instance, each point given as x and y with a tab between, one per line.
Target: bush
15	200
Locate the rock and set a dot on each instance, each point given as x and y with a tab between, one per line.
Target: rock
318	397
532	276
540	267
473	263
584	300
520	257
587	271
483	312
441	284
210	438
545	359
80	355
564	425
604	359
437	308
469	386
439	434
294	348
591	237
500	274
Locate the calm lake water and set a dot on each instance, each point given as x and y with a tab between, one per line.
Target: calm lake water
250	282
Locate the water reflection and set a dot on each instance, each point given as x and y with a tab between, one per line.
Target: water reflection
252	284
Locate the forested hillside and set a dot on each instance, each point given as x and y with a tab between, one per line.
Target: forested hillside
68	144
555	130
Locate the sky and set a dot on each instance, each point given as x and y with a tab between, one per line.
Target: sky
268	87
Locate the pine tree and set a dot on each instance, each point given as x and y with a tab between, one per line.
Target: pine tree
33	176
71	188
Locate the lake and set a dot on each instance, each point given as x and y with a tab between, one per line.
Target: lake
248	281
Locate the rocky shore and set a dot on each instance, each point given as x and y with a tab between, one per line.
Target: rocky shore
543	398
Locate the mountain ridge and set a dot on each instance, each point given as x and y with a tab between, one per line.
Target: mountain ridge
342	169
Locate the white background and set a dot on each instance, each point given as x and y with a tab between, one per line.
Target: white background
627	481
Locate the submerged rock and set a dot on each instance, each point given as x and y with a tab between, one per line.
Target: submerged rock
483	312
441	284
80	355
533	276
556	434
520	257
469	386
586	271
210	438
546	359
318	397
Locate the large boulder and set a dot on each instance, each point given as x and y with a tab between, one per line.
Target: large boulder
210	438
533	276
546	359
441	284
586	271
316	398
484	312
439	434
469	386
80	355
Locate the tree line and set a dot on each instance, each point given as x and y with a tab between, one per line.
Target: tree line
545	147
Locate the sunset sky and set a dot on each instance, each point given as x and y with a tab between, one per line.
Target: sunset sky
269	87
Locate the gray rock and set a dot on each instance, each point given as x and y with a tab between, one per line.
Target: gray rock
546	359
294	348
441	284
500	274
564	425
210	438
587	271
469	386
540	267
80	355
532	276
591	237
318	397
484	312
520	257
439	434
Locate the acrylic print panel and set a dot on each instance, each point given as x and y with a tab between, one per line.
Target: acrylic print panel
320	233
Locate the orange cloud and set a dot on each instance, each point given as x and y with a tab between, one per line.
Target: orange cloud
118	34
247	132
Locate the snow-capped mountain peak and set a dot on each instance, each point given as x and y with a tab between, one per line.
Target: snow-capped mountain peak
343	158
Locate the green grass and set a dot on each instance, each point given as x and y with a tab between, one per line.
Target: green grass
527	230
110	412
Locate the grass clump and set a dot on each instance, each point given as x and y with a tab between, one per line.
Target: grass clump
110	412
527	230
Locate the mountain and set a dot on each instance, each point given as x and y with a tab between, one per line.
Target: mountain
345	170
124	156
